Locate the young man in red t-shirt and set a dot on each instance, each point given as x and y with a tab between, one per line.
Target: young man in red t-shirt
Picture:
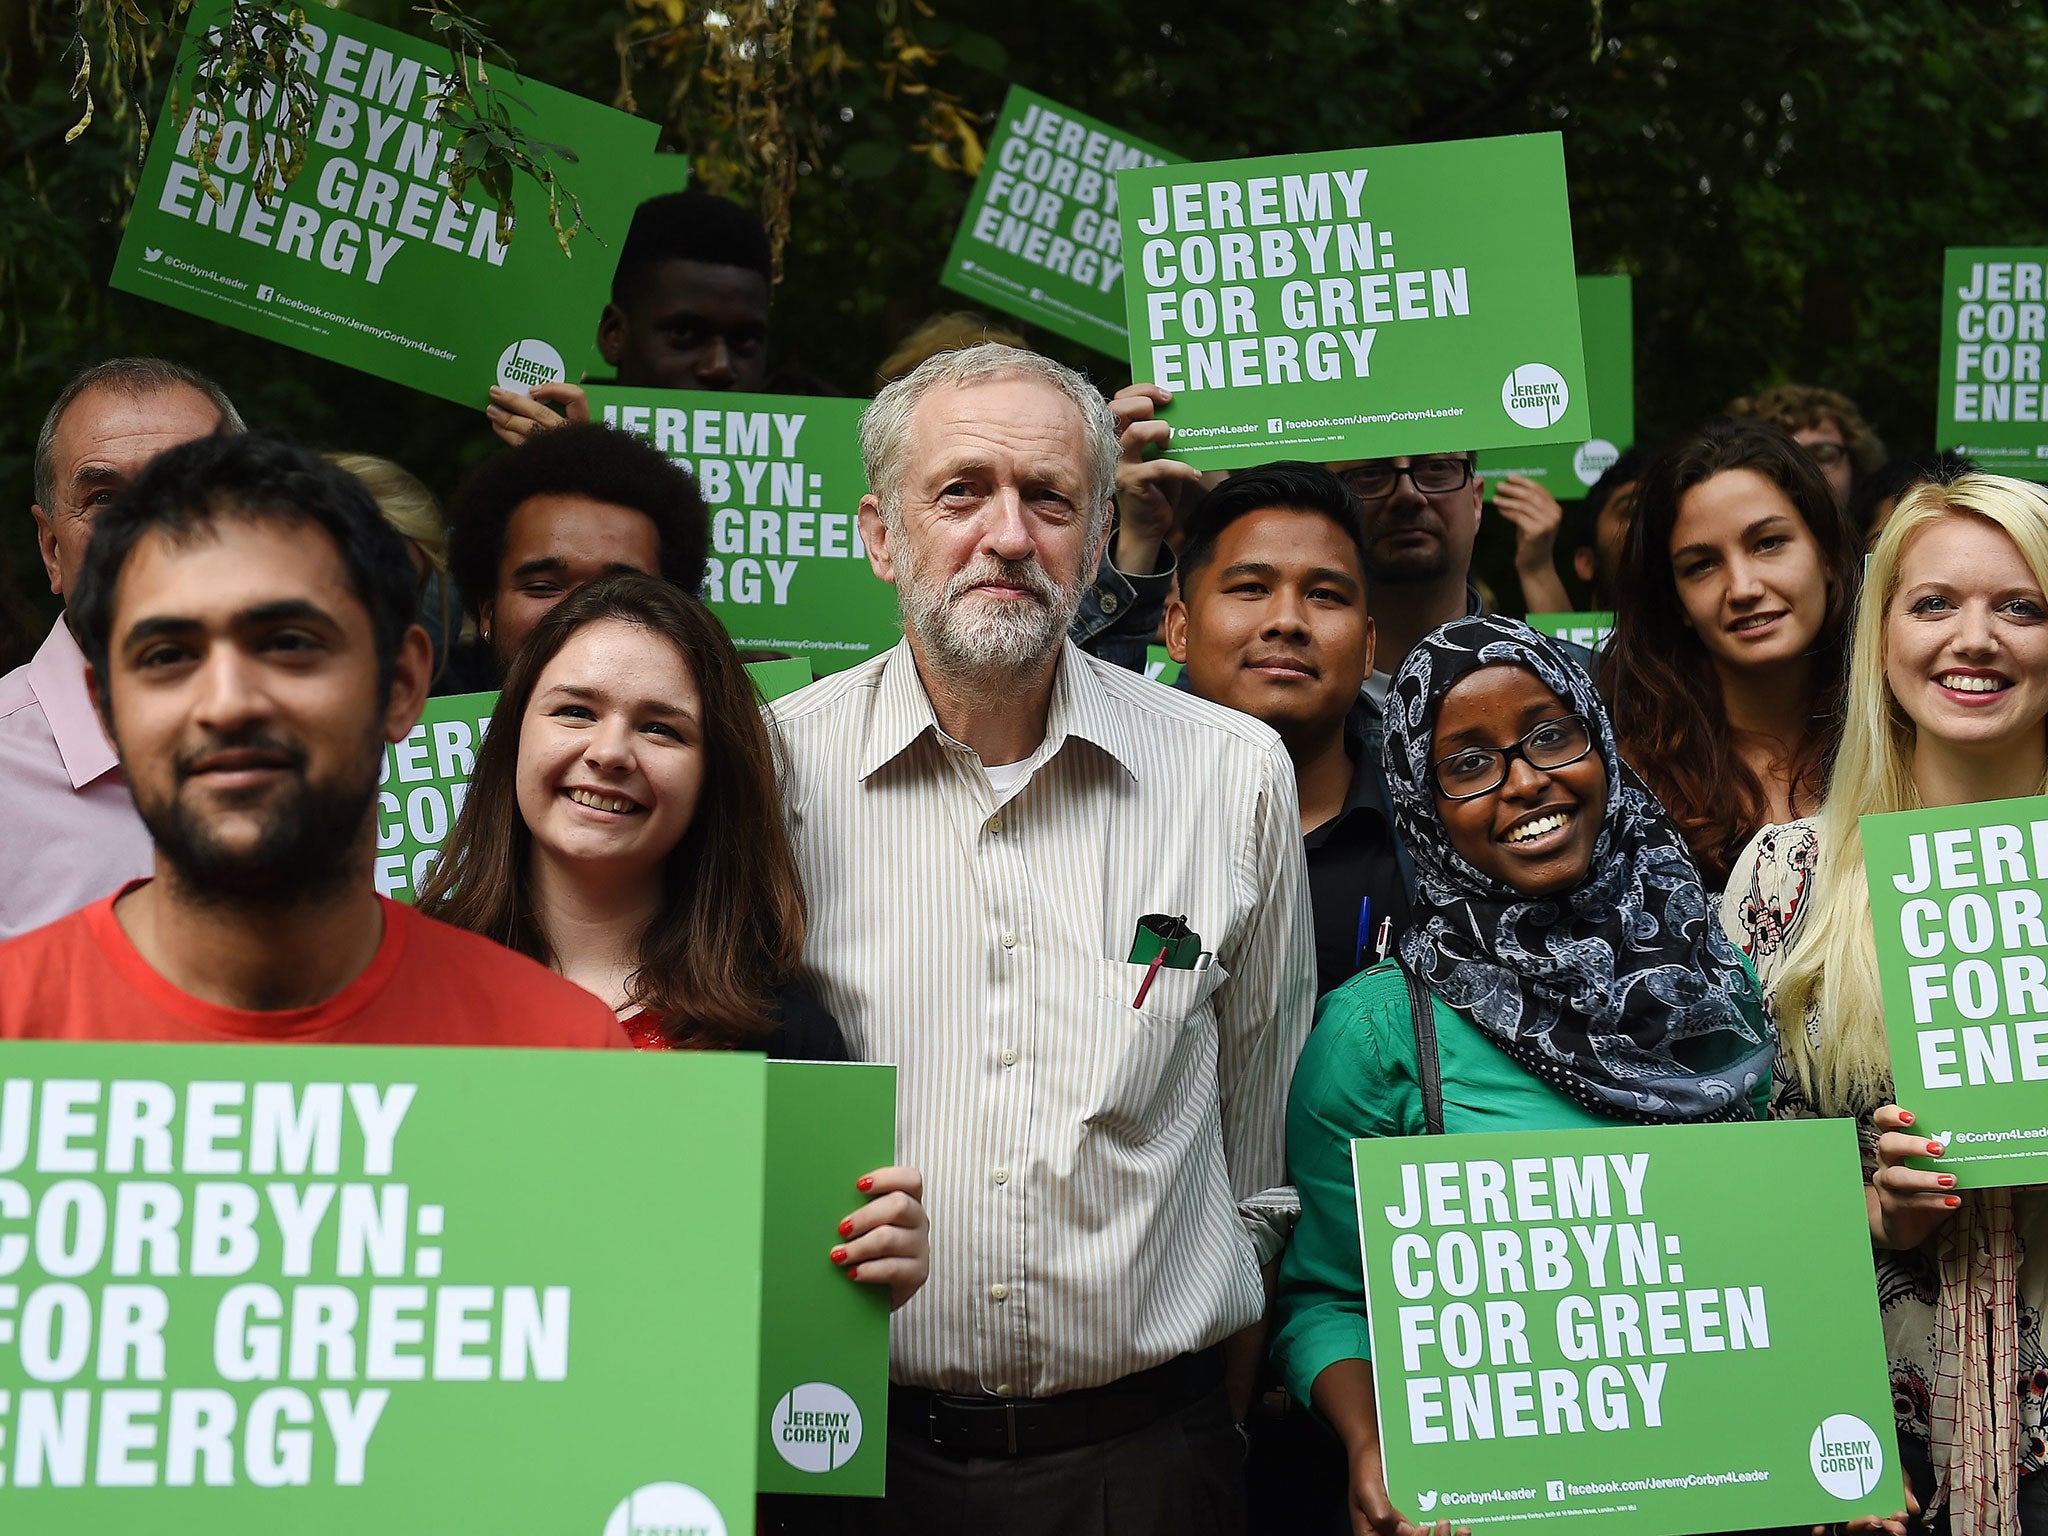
247	618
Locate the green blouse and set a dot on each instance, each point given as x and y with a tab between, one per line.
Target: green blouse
1357	1078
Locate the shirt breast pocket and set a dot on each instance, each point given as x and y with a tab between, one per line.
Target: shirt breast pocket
1146	1060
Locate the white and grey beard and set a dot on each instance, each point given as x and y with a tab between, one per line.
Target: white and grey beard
971	637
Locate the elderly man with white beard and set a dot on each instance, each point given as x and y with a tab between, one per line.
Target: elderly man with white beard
997	834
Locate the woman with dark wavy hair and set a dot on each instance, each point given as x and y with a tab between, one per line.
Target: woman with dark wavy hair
1726	668
622	826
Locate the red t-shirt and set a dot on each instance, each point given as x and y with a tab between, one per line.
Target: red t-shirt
428	984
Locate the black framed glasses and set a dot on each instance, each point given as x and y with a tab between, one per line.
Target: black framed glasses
1826	455
1431	477
1471	772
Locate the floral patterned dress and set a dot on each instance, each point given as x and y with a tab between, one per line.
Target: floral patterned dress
1761	912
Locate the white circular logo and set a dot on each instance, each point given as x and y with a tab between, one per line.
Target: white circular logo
527	363
1593	460
665	1509
1847	1456
816	1427
1535	395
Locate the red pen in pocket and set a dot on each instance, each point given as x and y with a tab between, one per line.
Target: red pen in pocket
1146	985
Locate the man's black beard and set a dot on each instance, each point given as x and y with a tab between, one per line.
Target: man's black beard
305	853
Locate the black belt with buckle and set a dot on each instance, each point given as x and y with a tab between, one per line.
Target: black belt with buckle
1028	1426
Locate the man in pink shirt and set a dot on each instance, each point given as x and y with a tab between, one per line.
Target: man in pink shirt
72	834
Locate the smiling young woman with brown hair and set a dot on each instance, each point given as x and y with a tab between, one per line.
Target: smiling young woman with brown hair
1725	671
622	828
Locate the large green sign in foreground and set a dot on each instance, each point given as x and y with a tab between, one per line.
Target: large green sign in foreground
330	1290
367	258
1962	950
1569	470
1613	1328
1418	298
1040	237
782	476
1992	406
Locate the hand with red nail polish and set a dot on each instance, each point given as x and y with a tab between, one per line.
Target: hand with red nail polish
889	1238
1906	1204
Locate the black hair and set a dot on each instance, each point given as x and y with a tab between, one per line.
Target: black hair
250	474
1626	468
1288	485
584	459
691	226
1582	519
1892	480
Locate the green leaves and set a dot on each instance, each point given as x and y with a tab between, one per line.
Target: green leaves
491	151
251	76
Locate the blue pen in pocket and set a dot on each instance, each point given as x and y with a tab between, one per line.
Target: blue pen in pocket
1364	930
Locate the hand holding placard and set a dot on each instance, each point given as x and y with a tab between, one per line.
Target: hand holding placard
515	417
1150	493
1911	1203
1536	517
888	1240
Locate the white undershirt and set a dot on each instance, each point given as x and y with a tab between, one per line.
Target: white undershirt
1003	777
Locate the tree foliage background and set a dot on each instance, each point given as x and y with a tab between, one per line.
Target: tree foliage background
1779	179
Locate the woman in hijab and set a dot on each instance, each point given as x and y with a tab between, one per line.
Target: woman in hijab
1563	956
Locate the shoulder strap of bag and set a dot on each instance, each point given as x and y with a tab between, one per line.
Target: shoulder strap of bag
1429	1069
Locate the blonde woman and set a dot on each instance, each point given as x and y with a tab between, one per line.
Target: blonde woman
1947	695
410	507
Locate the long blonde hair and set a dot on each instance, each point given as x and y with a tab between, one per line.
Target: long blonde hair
1848	1070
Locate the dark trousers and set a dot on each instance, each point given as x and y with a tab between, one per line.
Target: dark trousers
1297	1479
1181	1475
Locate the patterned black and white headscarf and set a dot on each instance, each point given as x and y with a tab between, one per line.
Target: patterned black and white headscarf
1621	993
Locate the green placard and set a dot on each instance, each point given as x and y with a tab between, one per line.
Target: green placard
1994	329
420	792
426	776
1956	910
1040	238
782	476
1562	1319
366	259
337	1289
824	1339
1569	470
1589	629
1160	665
778	678
1416	298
